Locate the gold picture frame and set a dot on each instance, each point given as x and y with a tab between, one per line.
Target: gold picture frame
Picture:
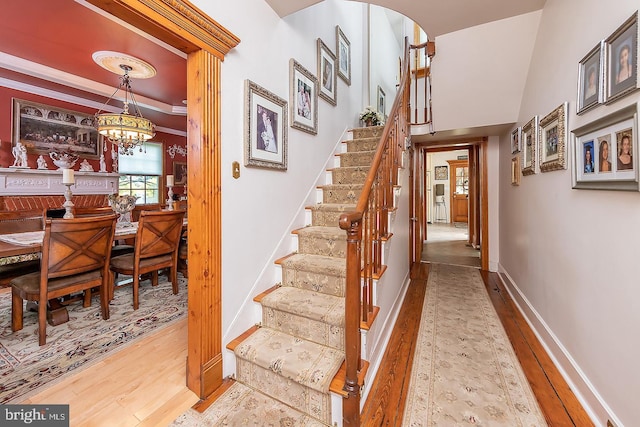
552	136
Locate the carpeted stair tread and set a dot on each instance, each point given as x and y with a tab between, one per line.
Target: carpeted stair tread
317	273
322	232
304	362
241	405
363	144
312	305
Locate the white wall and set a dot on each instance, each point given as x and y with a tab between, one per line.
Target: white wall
478	74
262	207
384	50
570	254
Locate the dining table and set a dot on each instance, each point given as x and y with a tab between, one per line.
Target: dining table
30	242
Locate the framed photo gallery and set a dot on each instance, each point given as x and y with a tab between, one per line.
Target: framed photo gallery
604	151
266	115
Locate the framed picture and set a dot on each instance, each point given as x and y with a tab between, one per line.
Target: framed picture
605	152
515	171
303	98
343	54
590	80
265	136
552	139
441	172
327	73
43	129
529	137
516	136
622	60
179	173
381	102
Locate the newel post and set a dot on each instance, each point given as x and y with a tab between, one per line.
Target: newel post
351	403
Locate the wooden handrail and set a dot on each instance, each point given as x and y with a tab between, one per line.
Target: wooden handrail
366	227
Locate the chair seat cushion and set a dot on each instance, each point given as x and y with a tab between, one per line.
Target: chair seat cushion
28	285
124	263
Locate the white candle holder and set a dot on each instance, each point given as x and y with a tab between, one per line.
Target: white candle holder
170	199
68	204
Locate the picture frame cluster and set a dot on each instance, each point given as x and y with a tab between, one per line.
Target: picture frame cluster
267	115
603	151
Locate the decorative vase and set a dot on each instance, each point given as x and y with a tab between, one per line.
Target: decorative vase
123	205
63	160
368	122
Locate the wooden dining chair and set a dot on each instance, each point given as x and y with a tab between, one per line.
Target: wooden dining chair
156	248
75	257
18	222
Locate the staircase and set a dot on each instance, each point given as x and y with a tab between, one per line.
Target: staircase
291	360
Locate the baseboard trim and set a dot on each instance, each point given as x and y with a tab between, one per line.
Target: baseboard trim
577	380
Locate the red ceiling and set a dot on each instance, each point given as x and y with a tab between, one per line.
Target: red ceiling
63	34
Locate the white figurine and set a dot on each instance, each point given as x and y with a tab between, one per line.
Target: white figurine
85	166
19	152
103	164
42	163
114	159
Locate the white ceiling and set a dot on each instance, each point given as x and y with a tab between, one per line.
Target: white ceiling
436	17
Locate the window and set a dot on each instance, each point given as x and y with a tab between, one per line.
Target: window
141	173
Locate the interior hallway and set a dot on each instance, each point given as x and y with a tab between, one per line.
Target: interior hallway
447	244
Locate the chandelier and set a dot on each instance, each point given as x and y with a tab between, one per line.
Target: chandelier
128	129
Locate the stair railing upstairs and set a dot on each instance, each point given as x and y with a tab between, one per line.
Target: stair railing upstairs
421	83
367	227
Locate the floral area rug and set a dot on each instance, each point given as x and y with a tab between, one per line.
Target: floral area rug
465	371
85	339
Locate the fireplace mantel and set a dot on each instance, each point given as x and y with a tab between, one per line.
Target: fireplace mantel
22	182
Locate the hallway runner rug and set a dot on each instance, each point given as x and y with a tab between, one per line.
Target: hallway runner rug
465	371
84	340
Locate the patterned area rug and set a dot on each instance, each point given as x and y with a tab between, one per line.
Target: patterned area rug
83	340
465	371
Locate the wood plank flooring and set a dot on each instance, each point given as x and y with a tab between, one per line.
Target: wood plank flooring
141	385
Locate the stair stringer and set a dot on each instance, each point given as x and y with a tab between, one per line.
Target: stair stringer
271	273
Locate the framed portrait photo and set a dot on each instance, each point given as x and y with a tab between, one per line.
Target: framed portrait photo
327	73
529	138
43	129
343	55
621	49
265	136
552	135
590	80
605	152
303	98
516	136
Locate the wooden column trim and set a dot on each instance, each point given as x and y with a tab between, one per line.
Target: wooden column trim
204	361
484	206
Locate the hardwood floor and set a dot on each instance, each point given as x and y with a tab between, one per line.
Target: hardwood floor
141	385
385	403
